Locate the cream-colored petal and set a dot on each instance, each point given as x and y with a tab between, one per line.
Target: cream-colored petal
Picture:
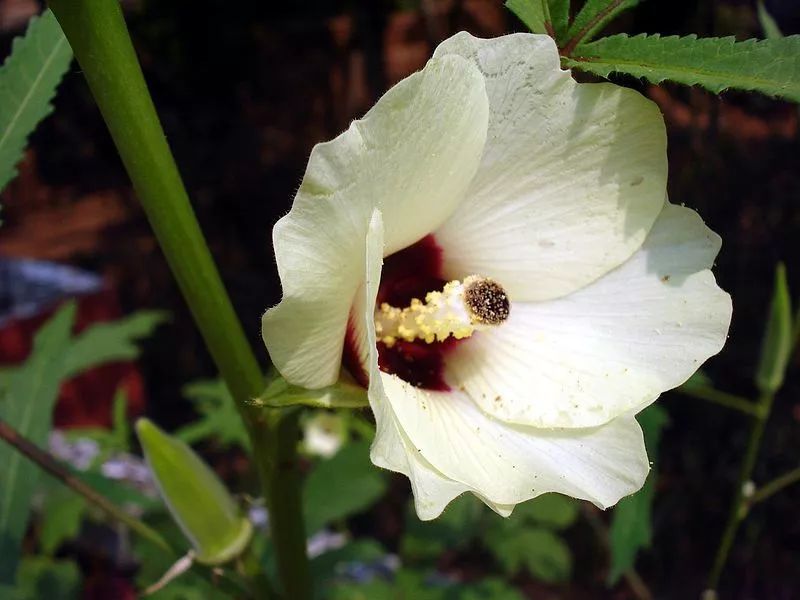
446	445
391	448
572	176
412	156
611	347
507	464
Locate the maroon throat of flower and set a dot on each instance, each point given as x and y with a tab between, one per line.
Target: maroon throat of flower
413	341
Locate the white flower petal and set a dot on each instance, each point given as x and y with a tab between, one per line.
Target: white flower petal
391	448
446	445
508	464
611	347
411	156
571	180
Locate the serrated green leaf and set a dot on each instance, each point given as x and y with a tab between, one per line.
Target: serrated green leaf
489	589
776	347
28	408
594	16
110	342
768	24
534	13
410	584
324	567
631	525
28	82
219	418
559	15
61	519
41	577
771	67
543	553
552	511
341	486
454	528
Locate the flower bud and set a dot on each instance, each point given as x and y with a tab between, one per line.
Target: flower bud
195	496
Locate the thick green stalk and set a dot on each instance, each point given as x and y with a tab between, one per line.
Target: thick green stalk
99	38
741	499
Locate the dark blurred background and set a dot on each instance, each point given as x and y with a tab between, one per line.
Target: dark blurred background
245	89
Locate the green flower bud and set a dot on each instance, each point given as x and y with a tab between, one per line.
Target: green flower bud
196	498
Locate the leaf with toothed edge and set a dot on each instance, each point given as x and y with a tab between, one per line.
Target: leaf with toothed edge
559	16
28	81
771	67
534	13
631	524
594	16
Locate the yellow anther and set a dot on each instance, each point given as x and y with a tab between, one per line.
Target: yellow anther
458	310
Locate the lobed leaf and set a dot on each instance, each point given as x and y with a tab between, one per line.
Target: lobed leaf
771	67
28	407
552	511
631	528
543	553
341	486
28	82
219	418
29	394
534	13
594	16
41	577
110	342
559	15
455	528
61	518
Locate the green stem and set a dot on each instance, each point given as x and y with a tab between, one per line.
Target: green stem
589	29
49	464
739	505
99	38
731	401
776	485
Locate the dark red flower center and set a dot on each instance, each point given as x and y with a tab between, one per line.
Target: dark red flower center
407	274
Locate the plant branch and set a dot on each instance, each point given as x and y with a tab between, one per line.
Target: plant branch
739	505
773	487
99	38
570	46
52	466
725	399
48	463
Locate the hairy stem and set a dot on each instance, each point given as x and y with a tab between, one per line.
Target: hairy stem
99	38
740	500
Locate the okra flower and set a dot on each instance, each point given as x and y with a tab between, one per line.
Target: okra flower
536	290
